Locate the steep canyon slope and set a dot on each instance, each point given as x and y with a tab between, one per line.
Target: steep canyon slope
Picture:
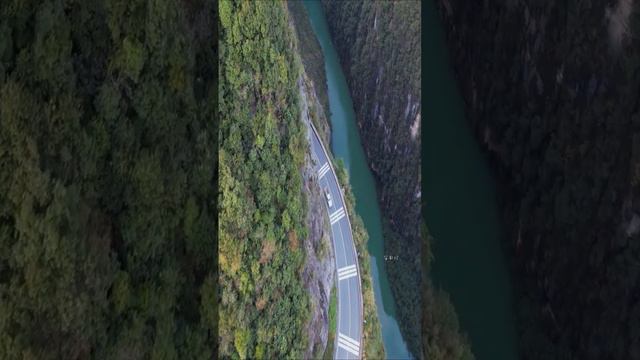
379	47
551	90
276	261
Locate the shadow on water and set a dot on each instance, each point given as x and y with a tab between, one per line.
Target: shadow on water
461	209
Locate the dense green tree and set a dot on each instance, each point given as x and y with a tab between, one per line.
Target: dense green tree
264	305
106	178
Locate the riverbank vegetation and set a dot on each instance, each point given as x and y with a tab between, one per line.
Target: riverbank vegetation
107	147
555	105
378	44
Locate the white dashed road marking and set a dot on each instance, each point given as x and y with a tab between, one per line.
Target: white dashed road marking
347	272
323	170
337	215
349	344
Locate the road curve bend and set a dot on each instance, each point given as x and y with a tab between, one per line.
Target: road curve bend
350	310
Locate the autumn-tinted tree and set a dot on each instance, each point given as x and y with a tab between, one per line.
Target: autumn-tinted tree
263	303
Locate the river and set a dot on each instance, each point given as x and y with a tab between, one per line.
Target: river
461	209
346	145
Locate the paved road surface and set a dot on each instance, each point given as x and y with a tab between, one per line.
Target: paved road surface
349	316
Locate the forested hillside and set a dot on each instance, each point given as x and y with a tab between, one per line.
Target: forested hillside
551	90
106	179
264	306
379	47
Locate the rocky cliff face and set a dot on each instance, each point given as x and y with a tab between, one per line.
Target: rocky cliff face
551	90
379	48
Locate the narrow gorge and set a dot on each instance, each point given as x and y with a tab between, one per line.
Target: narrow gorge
378	45
551	90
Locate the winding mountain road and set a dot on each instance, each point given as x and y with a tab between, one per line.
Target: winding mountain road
350	311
